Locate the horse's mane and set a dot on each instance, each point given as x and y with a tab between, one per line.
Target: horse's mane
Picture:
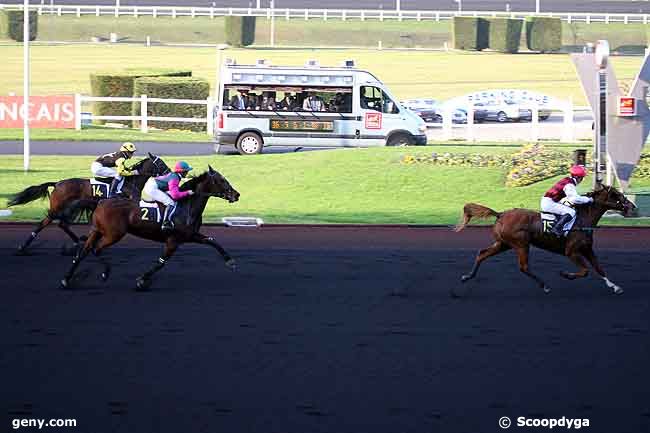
193	182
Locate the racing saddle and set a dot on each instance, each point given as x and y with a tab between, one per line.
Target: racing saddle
550	220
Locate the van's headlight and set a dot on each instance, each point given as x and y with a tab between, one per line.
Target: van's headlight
422	128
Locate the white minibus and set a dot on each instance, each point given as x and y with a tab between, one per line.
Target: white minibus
311	106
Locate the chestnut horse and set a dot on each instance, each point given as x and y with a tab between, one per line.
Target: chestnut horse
518	229
114	218
68	190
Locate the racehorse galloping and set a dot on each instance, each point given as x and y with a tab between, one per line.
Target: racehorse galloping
520	228
114	218
68	190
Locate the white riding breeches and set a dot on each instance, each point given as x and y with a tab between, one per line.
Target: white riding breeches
151	188
99	170
548	205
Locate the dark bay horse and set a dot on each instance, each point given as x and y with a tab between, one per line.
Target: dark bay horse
518	229
68	190
114	218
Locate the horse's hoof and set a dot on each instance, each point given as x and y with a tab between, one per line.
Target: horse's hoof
465	278
64	284
142	284
104	276
547	289
22	251
618	290
231	264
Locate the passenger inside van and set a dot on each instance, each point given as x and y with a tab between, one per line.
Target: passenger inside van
313	103
288	102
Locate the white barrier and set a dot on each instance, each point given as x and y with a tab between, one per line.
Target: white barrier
322	14
144	118
534	130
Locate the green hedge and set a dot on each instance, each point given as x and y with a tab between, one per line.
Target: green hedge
172	88
240	31
544	34
470	33
11	25
505	34
122	84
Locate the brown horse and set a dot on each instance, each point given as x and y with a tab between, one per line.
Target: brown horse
518	229
114	218
68	190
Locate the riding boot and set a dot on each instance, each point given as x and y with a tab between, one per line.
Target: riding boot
112	191
558	228
167	223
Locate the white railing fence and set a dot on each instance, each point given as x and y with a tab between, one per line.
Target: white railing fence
566	131
144	117
322	14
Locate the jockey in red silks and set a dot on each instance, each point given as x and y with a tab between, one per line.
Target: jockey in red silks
164	189
565	188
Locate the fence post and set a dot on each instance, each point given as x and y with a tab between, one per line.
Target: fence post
287	15
173	12
535	122
343	15
143	114
59	12
155	12
325	15
78	11
97	11
77	112
567	130
210	116
470	122
447	125
193	12
135	11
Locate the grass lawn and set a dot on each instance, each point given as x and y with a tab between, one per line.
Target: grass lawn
338	186
98	133
407	74
311	33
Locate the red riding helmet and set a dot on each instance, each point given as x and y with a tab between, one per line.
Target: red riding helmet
578	171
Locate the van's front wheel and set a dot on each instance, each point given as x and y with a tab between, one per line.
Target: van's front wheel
249	143
400	139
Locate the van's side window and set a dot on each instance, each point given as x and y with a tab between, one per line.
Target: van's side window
373	98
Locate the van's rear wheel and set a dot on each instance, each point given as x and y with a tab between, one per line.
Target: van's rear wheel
400	139
249	143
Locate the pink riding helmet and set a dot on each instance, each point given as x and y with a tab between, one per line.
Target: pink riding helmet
578	171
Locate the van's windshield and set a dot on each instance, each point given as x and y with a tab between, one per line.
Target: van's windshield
287	98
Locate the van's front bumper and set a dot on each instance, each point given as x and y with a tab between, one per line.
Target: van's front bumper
420	140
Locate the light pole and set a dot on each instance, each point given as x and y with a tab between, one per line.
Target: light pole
26	85
460	5
398	5
536	6
600	127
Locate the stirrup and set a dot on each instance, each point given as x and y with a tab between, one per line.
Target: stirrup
167	225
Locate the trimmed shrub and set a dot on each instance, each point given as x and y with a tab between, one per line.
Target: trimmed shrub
470	33
505	34
544	34
121	84
172	88
11	25
240	31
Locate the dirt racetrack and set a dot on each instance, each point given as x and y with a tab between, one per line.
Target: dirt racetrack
306	337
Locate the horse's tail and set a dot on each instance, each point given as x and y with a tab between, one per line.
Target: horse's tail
77	209
30	194
473	210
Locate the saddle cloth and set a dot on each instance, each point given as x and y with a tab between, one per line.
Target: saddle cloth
149	211
100	186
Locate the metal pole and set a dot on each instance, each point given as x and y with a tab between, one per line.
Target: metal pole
398	6
600	150
536	6
26	85
272	23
